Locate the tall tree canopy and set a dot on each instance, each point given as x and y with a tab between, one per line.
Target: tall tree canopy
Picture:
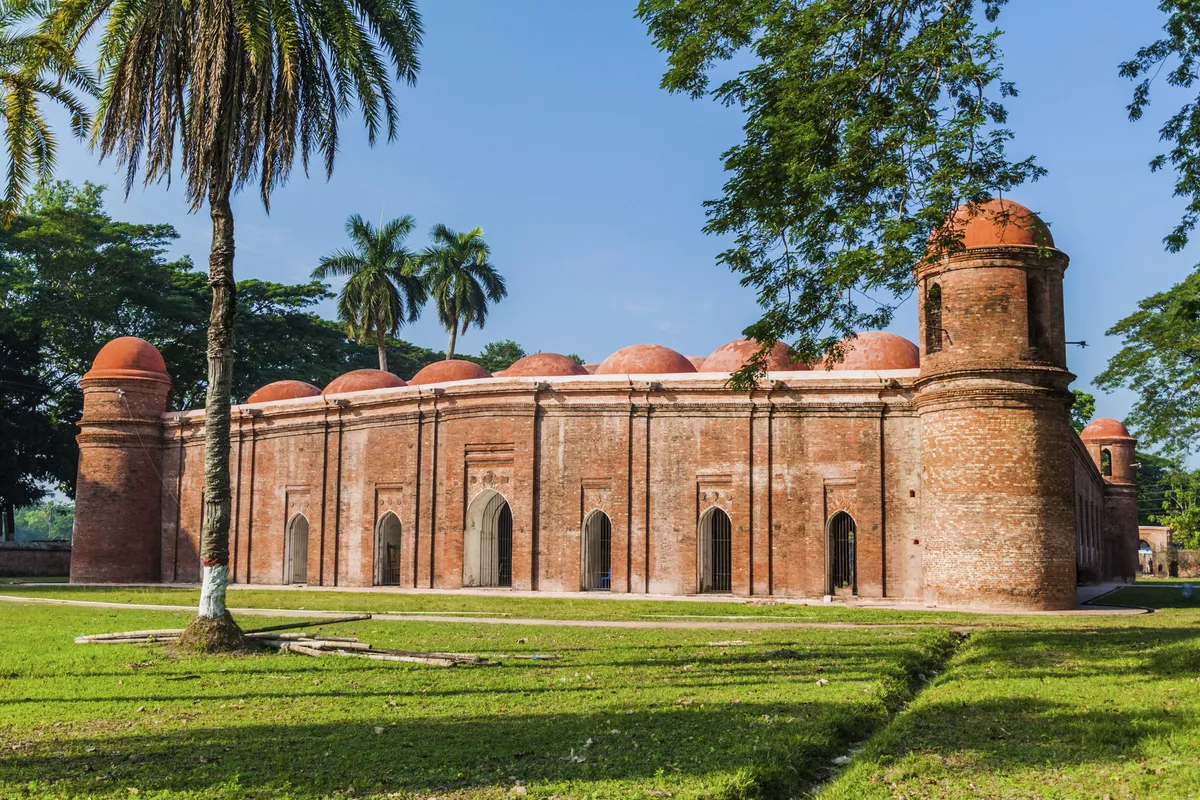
1160	361
385	289
865	125
26	429
496	356
461	279
240	89
1083	408
34	68
72	278
1160	355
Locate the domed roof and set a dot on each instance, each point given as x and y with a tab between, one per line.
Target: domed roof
452	369
697	362
1104	428
361	380
590	369
1000	223
544	365
645	359
130	354
877	350
733	356
283	390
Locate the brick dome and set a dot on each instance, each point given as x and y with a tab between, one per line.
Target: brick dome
1000	223
130	356
878	350
544	365
697	362
645	359
590	369
361	380
283	390
452	369
733	356
1104	428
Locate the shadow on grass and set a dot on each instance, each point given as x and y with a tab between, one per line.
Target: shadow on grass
1007	734
1087	652
698	749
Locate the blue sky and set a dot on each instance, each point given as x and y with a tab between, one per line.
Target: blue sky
543	123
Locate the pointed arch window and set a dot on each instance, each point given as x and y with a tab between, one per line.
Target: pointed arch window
1035	310
933	319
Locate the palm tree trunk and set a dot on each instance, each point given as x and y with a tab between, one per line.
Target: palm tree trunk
453	331
379	345
214	534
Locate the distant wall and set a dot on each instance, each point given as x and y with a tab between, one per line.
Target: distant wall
35	559
1188	562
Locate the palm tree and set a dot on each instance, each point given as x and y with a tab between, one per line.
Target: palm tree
460	279
240	89
34	66
385	290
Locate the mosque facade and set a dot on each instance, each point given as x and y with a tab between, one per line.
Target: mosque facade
944	472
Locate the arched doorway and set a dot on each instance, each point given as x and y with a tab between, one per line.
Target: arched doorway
487	541
842	554
387	550
1145	557
296	545
597	553
715	552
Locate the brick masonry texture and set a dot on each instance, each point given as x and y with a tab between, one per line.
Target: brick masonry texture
966	484
35	559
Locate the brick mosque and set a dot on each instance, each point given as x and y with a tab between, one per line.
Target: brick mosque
945	473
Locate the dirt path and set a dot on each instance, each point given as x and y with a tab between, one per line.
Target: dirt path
716	625
557	623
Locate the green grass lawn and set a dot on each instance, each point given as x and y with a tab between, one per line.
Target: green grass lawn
1103	713
1057	707
1167	595
622	714
600	607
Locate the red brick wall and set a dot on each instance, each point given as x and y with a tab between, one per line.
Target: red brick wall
653	459
997	509
118	491
1091	542
35	559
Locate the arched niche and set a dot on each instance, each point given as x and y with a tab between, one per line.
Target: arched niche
596	545
387	550
841	534
487	541
295	556
714	552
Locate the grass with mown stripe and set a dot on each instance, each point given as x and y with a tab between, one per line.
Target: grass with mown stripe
624	713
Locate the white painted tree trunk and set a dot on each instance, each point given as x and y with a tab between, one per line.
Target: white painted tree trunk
214	580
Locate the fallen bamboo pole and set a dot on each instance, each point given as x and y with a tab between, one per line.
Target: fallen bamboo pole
534	657
321	644
104	637
311	624
413	659
294	636
146	640
299	648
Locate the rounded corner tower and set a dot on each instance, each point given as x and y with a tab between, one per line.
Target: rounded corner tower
997	476
118	508
1114	452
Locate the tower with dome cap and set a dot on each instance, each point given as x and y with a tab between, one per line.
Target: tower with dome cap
997	489
118	498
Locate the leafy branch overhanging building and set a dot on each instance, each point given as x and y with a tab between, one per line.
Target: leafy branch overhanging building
947	474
